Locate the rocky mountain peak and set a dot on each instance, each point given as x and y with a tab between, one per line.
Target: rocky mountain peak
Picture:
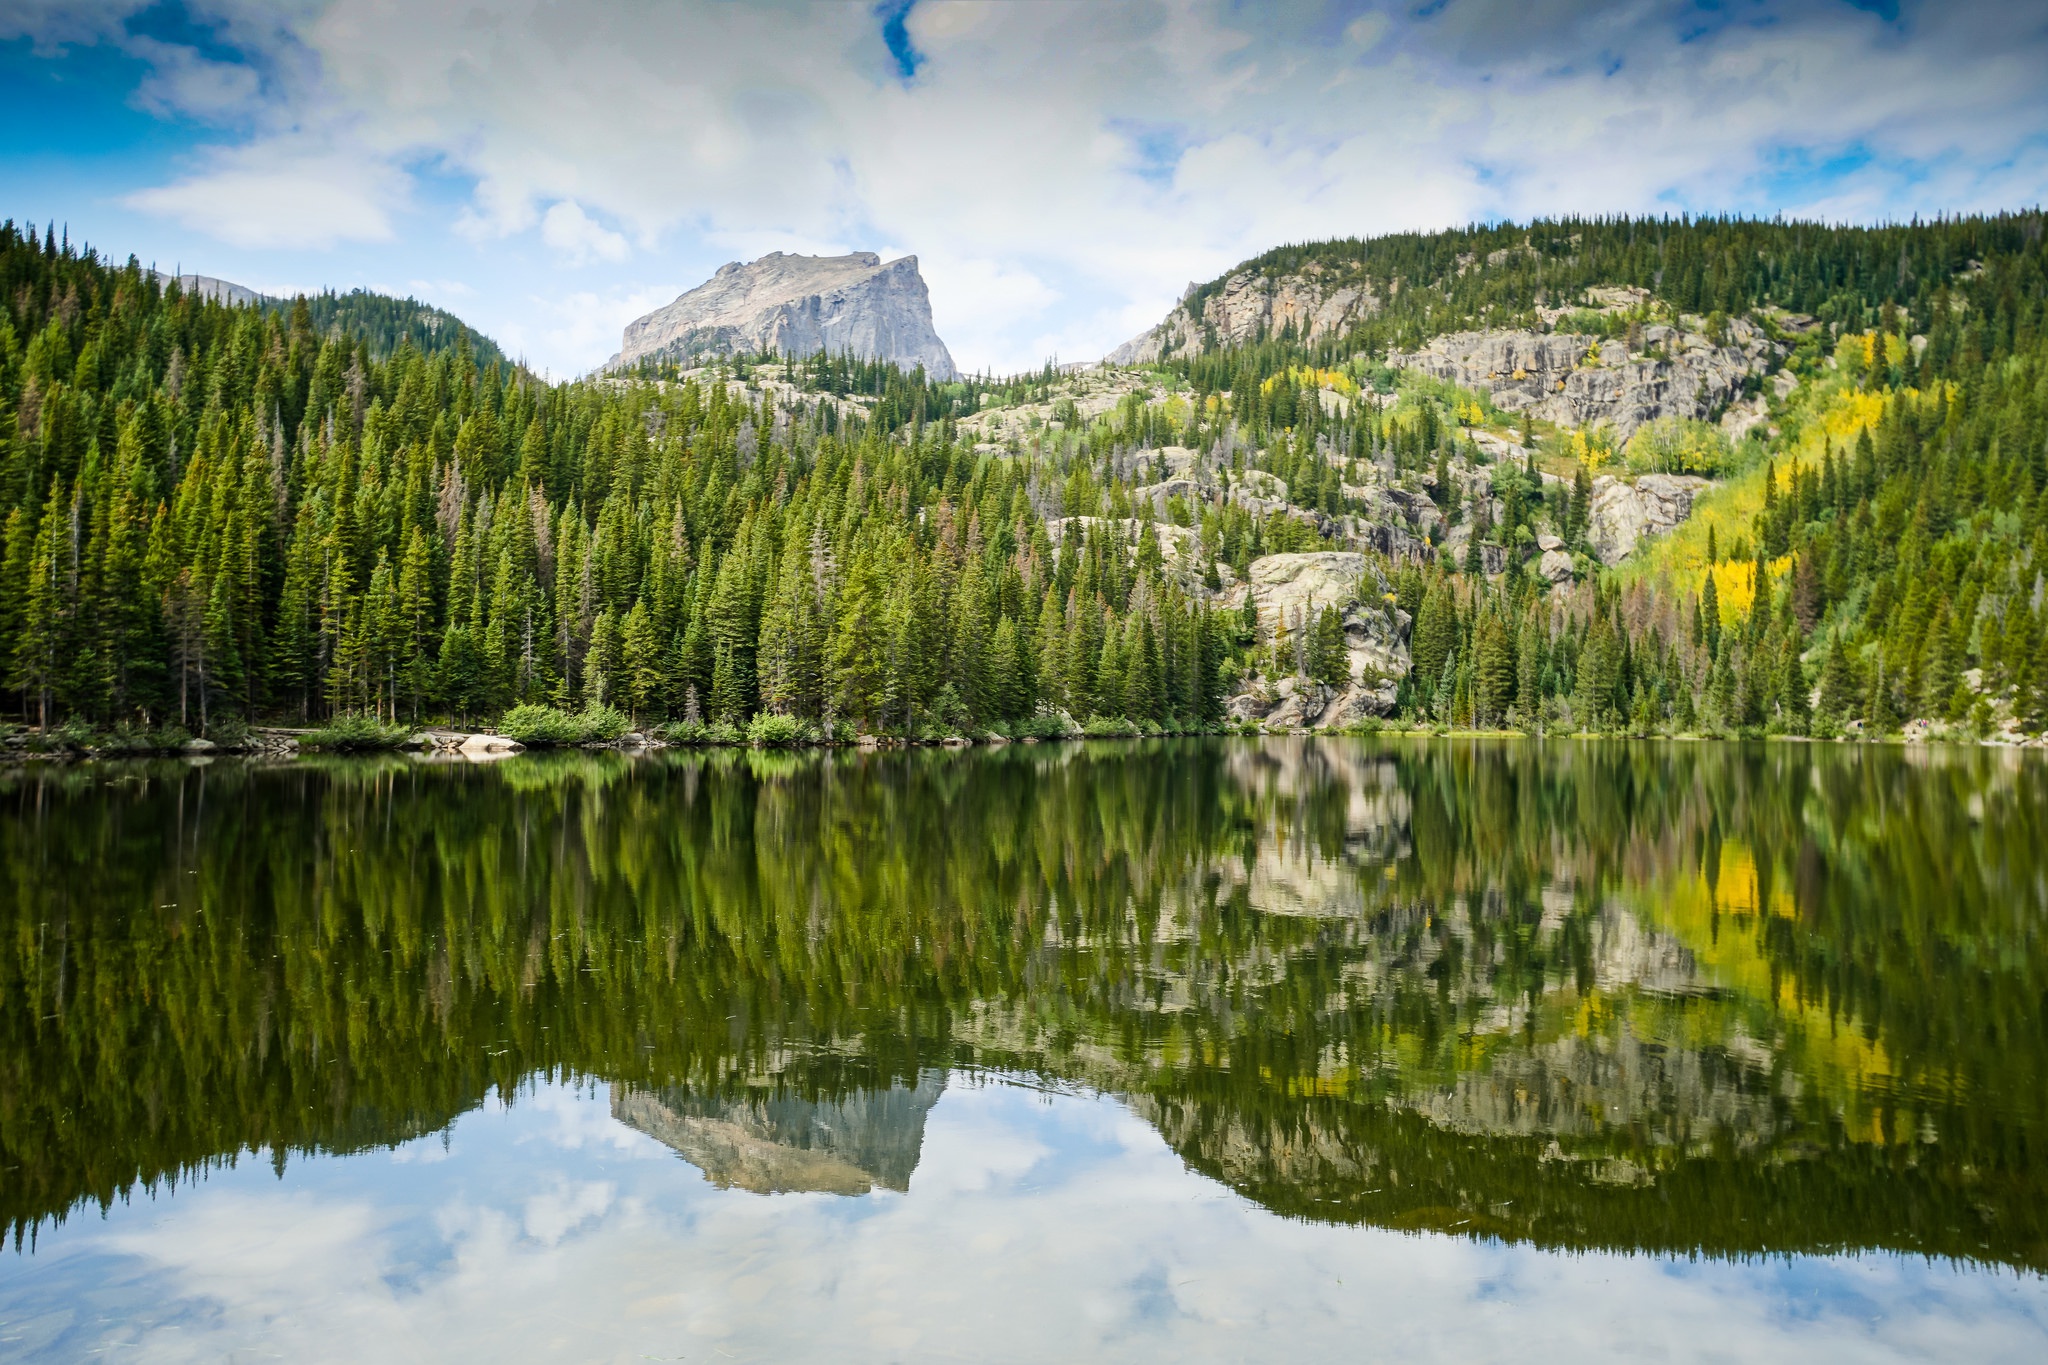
798	305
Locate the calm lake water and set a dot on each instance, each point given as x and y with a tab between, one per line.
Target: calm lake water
1230	1050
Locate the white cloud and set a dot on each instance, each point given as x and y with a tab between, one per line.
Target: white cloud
578	236
181	81
282	194
1064	170
1037	1227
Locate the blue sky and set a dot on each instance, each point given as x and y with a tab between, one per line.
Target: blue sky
551	169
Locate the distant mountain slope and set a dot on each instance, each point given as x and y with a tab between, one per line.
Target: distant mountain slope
384	321
1400	291
799	306
359	315
208	287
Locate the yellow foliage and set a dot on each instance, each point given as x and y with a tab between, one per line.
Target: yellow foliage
1852	411
1335	380
1590	448
1839	413
1734	584
1720	913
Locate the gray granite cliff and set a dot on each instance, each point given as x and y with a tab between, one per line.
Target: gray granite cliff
798	305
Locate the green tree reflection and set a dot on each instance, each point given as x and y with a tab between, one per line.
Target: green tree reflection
1695	998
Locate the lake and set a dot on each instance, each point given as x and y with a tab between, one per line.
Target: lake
1234	1049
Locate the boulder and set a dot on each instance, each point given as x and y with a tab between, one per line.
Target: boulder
1623	513
489	744
1555	565
1158	494
1358	702
198	746
1286	585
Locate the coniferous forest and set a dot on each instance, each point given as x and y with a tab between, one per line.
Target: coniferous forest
319	510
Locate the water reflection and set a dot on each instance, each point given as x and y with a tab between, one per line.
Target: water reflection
1673	998
772	1142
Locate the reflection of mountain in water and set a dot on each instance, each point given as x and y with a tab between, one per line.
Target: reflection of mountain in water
781	1143
1707	998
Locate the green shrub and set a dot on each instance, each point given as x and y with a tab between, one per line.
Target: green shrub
1679	445
545	726
1591	322
602	723
724	732
770	729
540	726
126	738
1044	725
350	730
1107	727
685	732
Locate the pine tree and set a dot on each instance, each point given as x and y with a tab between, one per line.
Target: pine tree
1493	672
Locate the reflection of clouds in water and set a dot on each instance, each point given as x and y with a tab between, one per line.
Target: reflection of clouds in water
579	1120
1037	1226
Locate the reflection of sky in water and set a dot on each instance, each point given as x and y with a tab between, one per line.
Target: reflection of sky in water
1037	1227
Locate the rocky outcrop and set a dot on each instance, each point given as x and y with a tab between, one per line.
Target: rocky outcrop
1623	514
207	287
1287	591
1174	541
1583	381
1248	304
798	305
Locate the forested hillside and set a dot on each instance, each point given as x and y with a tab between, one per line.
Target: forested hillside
218	512
1891	510
215	515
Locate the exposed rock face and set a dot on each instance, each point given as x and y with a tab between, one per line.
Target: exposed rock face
1624	513
1288	590
1248	303
1564	377
1174	541
799	305
778	1144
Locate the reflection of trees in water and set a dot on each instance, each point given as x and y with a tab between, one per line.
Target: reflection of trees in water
1665	995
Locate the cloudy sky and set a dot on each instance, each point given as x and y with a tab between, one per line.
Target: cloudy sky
551	170
1038	1226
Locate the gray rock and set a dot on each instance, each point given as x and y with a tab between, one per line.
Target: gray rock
1555	565
1289	589
799	305
1625	513
1556	377
208	287
199	746
1248	304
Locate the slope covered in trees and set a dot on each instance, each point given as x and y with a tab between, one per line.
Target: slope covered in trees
1880	543
215	511
215	514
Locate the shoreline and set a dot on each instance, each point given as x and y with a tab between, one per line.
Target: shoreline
484	745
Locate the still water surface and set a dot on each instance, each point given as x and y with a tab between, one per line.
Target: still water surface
1231	1050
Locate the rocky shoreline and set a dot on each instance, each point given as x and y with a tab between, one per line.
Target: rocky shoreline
1301	708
